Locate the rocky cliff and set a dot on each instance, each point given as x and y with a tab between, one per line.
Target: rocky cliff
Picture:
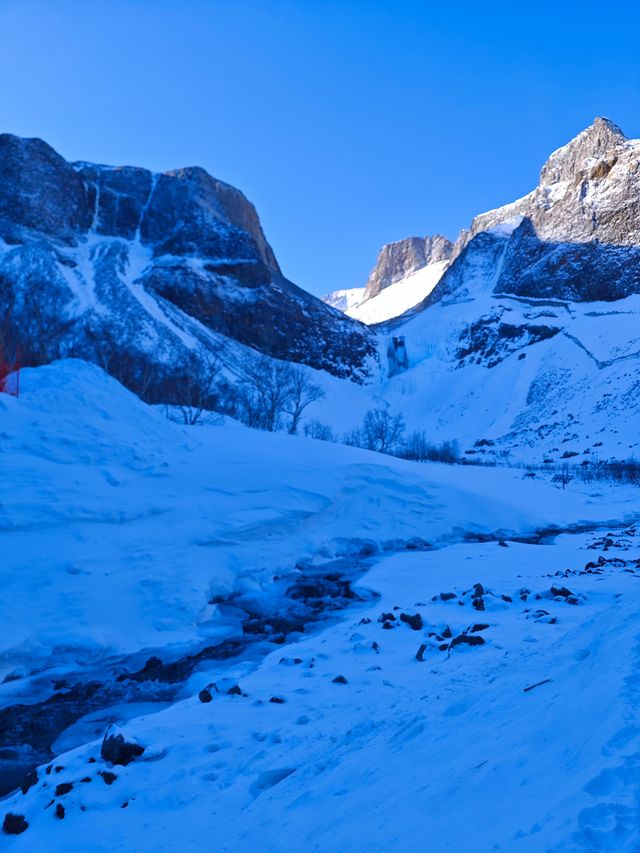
577	235
147	273
399	260
531	338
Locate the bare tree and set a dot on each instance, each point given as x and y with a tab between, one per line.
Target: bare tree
381	430
302	392
265	391
196	391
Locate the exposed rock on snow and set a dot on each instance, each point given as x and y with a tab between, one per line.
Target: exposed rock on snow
118	749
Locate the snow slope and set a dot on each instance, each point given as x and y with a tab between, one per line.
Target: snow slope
391	302
345	300
540	378
106	503
399	297
117	528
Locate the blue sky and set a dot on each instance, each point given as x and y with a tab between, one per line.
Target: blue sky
349	124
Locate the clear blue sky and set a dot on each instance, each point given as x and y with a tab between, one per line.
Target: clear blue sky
349	123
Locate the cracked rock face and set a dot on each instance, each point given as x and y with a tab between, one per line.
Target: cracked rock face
398	260
143	273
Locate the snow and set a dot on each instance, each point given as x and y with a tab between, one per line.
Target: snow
400	296
345	300
118	526
393	301
506	227
150	501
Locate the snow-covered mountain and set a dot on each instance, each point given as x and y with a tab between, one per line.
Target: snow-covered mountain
218	637
404	275
345	300
520	339
530	341
148	273
398	298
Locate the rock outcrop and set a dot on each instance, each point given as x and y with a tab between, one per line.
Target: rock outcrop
398	260
147	273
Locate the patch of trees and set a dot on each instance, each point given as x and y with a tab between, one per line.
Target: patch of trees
272	394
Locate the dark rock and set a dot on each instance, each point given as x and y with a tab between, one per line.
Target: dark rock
29	781
479	626
507	598
108	777
447	596
447	633
388	625
277	700
467	639
365	621
340	679
117	750
478	590
561	591
234	691
413	621
420	653
14	824
386	617
60	812
63	788
205	695
478	603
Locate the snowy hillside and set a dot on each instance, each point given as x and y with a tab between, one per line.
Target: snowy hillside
283	626
399	297
344	300
394	300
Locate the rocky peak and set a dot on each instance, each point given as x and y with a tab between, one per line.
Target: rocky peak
588	192
600	141
575	237
398	260
39	191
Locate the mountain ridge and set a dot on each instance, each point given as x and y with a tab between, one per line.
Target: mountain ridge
150	273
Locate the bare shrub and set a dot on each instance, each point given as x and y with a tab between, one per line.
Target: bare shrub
195	393
417	446
318	430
